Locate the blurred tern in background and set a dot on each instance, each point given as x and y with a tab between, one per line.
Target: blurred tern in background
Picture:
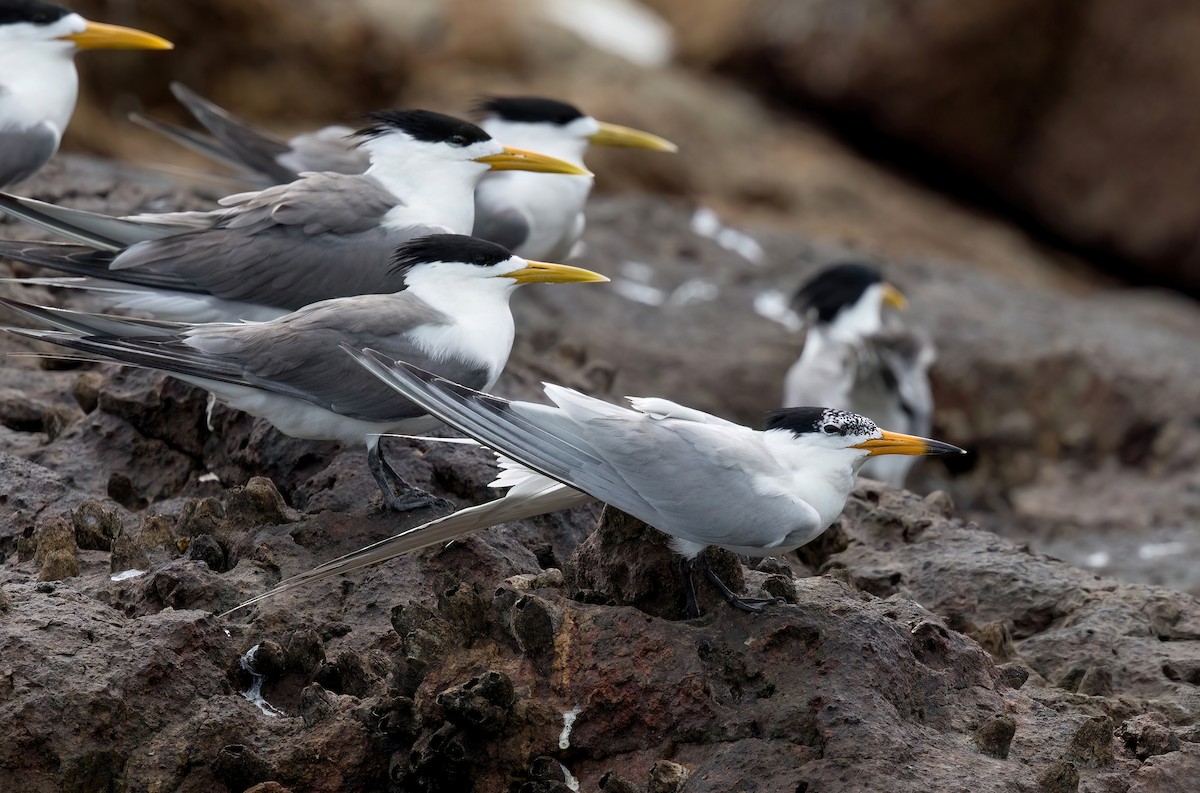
701	479
267	253
860	357
453	317
38	82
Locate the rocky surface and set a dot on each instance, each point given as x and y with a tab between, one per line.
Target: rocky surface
912	649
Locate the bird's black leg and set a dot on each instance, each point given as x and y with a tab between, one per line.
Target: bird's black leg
753	605
398	494
685	568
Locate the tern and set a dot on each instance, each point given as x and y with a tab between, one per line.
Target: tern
38	82
453	317
699	478
544	218
535	217
267	253
859	357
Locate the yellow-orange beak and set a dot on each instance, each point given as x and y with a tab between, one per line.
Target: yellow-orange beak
894	297
549	273
897	443
520	160
98	36
616	135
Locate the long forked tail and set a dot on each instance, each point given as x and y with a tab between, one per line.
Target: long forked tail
81	260
531	494
241	142
90	228
84	324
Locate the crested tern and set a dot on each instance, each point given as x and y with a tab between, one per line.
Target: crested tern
699	478
534	217
861	358
266	253
544	218
38	82
453	317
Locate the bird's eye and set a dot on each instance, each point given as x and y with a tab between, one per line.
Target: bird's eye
457	140
831	429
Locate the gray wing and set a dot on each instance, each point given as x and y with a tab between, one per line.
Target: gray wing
24	151
288	246
298	355
301	354
81	260
505	226
246	144
696	481
91	228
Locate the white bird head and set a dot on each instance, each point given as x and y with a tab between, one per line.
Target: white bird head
558	128
34	26
451	263
846	300
434	145
841	437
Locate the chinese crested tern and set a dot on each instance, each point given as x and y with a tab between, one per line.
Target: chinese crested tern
701	479
860	357
453	317
266	253
38	82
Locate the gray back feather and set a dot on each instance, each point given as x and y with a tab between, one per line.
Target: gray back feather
301	354
24	151
287	246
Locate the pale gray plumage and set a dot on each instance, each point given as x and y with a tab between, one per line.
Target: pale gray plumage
281	249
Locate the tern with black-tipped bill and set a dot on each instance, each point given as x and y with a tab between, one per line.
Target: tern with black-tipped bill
38	81
861	355
453	317
701	479
267	253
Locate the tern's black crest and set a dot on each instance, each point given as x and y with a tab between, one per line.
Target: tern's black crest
834	288
423	125
448	248
529	109
819	421
34	11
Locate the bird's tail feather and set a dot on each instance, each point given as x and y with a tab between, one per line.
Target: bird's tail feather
517	504
240	141
90	228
